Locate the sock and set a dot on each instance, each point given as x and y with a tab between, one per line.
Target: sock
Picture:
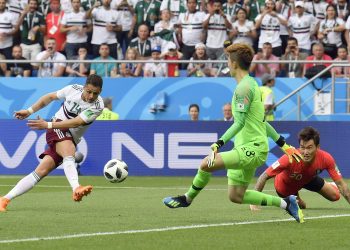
199	182
257	198
70	170
23	186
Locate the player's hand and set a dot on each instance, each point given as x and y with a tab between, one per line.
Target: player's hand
37	124
211	157
292	153
254	208
22	114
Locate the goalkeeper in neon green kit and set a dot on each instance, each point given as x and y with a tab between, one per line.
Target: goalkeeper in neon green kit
251	144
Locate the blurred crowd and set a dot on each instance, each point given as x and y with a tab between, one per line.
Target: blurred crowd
108	30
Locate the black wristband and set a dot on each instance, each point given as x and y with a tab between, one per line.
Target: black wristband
220	143
281	141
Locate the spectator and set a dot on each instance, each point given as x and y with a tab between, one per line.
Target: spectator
317	54
146	12
217	24
254	8
88	4
8	29
258	69
155	69
126	10
18	69
107	112
165	28
301	26
342	9
33	28
44	7
316	8
193	111
285	8
66	6
131	69
230	9
223	69
227	111
100	68
79	68
53	25
76	26
142	43
269	23
267	96
106	24
16	7
190	30
172	54
175	7
330	31
51	69
200	69
2	66
243	30
292	52
342	56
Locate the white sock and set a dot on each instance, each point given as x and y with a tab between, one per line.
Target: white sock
70	170
283	204
24	185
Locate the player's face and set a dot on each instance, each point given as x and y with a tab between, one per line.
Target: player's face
91	93
308	150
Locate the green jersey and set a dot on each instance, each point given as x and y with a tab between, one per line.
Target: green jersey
147	12
247	99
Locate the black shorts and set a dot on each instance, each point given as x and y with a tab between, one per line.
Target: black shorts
315	185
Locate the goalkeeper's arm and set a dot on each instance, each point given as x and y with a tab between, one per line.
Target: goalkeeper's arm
289	150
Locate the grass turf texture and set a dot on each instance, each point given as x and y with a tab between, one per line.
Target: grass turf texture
136	204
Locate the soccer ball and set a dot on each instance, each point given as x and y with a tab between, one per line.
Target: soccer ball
115	170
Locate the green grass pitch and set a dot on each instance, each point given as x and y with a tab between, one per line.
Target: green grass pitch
130	215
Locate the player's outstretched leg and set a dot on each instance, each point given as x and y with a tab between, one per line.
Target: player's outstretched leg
293	208
3	204
80	192
176	201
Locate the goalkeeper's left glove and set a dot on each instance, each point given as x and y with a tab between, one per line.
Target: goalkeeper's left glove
292	153
214	147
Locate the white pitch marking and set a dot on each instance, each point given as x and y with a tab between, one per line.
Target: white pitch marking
164	229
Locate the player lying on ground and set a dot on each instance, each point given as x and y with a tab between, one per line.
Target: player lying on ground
251	145
82	104
290	178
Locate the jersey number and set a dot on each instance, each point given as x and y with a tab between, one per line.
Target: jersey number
76	109
295	176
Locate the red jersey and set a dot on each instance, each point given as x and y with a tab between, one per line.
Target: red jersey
291	177
172	67
53	25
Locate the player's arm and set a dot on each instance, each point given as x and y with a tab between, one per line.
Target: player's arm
260	183
343	189
42	124
41	103
289	150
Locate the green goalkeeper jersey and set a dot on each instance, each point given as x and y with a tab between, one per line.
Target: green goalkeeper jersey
249	126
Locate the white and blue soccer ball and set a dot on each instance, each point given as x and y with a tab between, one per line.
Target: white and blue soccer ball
115	170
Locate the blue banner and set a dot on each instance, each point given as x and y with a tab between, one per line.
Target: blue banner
133	97
161	148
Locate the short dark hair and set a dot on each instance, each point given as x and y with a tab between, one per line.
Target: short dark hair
309	133
193	105
94	80
292	39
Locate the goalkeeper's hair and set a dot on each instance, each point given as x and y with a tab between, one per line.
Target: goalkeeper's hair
94	80
242	54
309	133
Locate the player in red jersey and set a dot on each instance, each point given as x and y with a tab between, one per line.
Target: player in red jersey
292	177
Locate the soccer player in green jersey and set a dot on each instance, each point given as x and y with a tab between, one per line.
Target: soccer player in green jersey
251	134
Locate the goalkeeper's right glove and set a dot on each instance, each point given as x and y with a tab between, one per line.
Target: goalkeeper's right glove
292	153
214	147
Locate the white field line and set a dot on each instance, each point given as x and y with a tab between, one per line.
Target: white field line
164	229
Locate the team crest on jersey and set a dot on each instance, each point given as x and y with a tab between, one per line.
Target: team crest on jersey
275	165
240	106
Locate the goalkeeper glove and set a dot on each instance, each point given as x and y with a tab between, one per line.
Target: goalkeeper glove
214	147
292	153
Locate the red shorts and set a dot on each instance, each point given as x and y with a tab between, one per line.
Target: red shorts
52	137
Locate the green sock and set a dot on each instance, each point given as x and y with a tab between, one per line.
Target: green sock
257	198
199	182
